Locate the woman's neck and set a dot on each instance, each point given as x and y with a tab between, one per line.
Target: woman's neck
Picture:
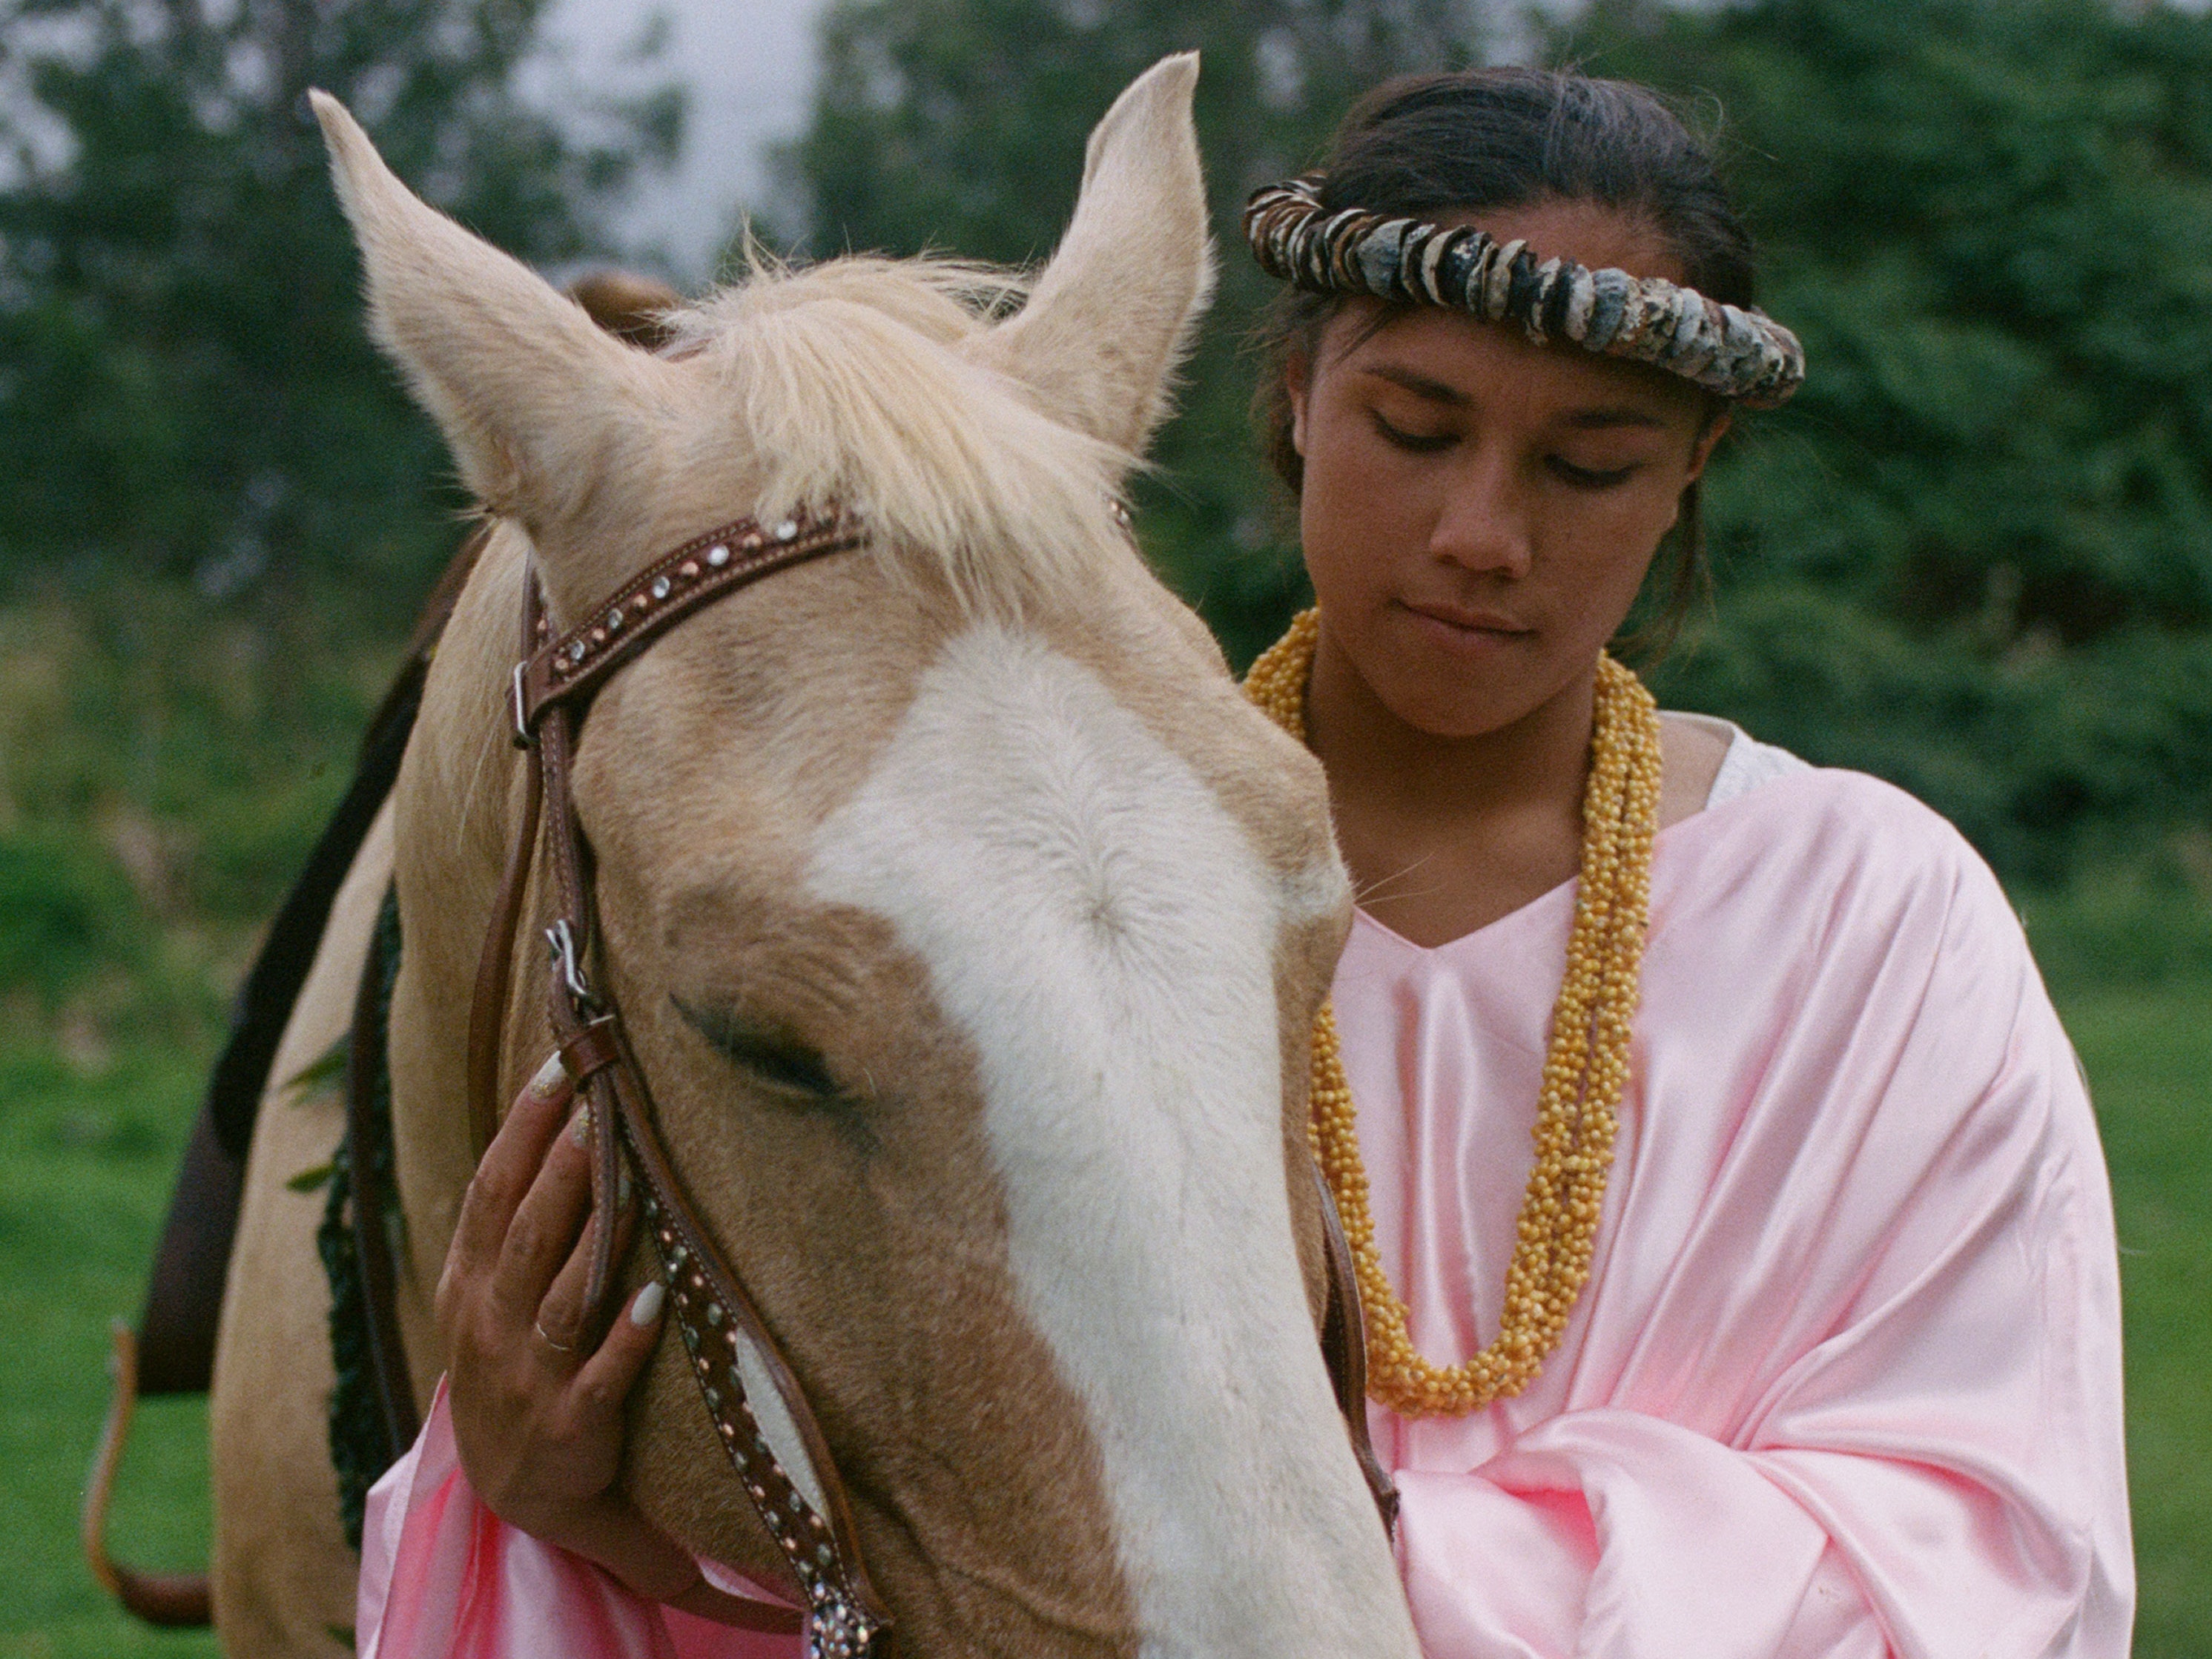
1443	835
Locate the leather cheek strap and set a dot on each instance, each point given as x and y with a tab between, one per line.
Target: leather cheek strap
552	688
713	1311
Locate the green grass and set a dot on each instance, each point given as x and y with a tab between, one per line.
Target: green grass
164	766
85	1168
2149	1054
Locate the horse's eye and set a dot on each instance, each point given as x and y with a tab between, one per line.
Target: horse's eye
772	1056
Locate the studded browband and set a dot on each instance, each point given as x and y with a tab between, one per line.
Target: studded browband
551	691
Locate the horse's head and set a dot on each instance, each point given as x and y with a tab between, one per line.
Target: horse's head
967	922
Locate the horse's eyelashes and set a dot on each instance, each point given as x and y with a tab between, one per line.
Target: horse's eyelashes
796	1068
771	1056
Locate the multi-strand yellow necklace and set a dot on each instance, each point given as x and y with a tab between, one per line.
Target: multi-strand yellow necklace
1584	1073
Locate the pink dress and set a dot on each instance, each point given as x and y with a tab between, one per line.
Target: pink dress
1845	1380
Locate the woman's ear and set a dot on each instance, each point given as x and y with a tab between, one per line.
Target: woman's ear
1703	450
1298	375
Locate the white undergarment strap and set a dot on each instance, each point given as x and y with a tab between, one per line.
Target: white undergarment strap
1747	764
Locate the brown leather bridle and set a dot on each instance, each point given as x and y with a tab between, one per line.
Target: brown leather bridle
552	688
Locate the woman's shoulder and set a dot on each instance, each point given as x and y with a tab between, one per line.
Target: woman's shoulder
1826	899
1821	828
1738	762
1831	803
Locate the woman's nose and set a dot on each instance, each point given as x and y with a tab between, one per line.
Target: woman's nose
1483	525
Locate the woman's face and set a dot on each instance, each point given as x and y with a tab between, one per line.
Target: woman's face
1478	512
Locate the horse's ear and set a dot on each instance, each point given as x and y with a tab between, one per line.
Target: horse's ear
1112	314
517	375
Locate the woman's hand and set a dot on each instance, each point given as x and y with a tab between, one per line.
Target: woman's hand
536	1406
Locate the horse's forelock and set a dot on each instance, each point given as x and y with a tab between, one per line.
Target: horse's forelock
943	299
852	384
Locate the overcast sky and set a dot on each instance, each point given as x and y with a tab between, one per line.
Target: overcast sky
749	65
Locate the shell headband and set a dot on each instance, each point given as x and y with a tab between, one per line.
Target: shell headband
1744	355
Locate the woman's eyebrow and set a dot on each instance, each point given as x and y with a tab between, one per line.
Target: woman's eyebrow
1420	385
1598	420
1601	418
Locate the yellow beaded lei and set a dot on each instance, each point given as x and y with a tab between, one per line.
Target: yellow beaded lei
1584	1073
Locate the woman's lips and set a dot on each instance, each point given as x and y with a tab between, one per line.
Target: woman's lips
1466	628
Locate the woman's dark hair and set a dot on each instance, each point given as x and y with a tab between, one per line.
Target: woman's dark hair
1430	145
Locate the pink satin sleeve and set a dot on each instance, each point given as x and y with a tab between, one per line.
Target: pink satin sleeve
443	1578
1611	1533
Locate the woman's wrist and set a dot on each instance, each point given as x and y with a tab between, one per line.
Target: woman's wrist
703	1600
615	1537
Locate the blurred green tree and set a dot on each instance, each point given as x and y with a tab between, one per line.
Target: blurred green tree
185	385
1975	556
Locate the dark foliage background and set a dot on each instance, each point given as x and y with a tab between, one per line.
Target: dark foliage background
1973	556
189	390
218	510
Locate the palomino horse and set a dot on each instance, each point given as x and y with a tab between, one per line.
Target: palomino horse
967	921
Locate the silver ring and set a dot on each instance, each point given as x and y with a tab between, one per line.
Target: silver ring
557	1347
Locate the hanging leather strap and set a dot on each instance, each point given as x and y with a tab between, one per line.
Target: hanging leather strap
488	1004
1344	1346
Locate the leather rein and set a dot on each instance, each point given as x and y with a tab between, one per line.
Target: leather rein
552	688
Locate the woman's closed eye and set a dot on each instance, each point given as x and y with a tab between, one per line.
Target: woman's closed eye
1414	443
1589	477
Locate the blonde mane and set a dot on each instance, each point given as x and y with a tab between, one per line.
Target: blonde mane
851	383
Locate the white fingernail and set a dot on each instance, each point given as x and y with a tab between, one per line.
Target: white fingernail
579	1126
646	1308
551	1076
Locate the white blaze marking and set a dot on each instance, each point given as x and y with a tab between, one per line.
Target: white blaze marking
1103	932
774	1419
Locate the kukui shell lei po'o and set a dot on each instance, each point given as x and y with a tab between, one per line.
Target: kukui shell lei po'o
1585	1072
1742	356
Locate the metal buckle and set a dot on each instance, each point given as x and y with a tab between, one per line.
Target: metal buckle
524	736
560	940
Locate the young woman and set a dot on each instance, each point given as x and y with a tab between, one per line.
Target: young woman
1804	1339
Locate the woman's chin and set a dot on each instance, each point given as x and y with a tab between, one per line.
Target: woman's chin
1456	694
1447	714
